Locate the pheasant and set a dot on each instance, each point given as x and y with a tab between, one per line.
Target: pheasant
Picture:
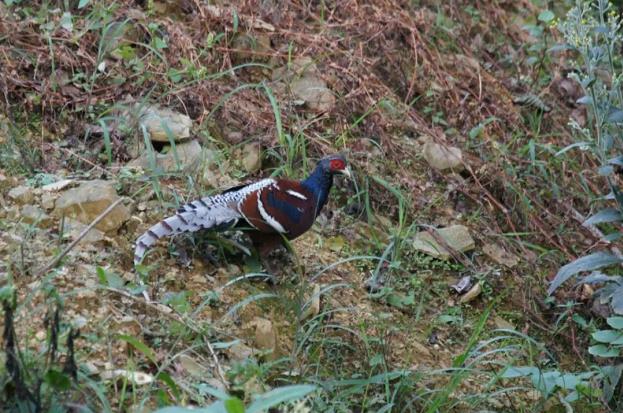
271	208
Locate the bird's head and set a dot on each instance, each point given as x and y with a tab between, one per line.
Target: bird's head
335	164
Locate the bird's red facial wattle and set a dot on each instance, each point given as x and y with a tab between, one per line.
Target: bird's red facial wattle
337	165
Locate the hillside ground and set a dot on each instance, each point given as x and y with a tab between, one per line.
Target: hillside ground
358	310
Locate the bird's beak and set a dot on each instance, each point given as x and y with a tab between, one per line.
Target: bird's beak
346	171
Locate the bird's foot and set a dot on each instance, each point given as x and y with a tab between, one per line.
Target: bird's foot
256	264
180	252
272	271
281	265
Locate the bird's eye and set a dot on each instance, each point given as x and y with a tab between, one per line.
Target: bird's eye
337	164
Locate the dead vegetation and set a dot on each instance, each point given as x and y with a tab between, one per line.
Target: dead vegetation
398	75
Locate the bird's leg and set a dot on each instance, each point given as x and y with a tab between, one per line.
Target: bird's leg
180	248
265	245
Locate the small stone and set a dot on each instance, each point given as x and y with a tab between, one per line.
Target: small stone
306	84
89	368
189	155
88	201
456	236
48	200
215	383
265	335
252	157
32	214
500	255
420	350
471	294
21	194
502	323
239	352
137	378
587	292
57	186
313	309
157	120
79	322
315	93
443	157
192	366
73	229
217	176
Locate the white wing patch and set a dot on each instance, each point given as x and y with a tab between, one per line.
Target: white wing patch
267	217
296	194
247	190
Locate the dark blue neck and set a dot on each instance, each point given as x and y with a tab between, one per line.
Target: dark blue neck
319	183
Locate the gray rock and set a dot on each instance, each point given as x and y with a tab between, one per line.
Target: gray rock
57	186
299	67
306	84
314	93
21	194
72	229
215	171
456	236
157	120
32	214
471	294
48	200
89	200
252	157
443	157
189	155
500	255
240	352
192	366
502	323
265	334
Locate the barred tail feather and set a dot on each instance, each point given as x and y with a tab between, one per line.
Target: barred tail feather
189	218
217	213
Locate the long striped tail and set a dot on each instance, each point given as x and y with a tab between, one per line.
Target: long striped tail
216	212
